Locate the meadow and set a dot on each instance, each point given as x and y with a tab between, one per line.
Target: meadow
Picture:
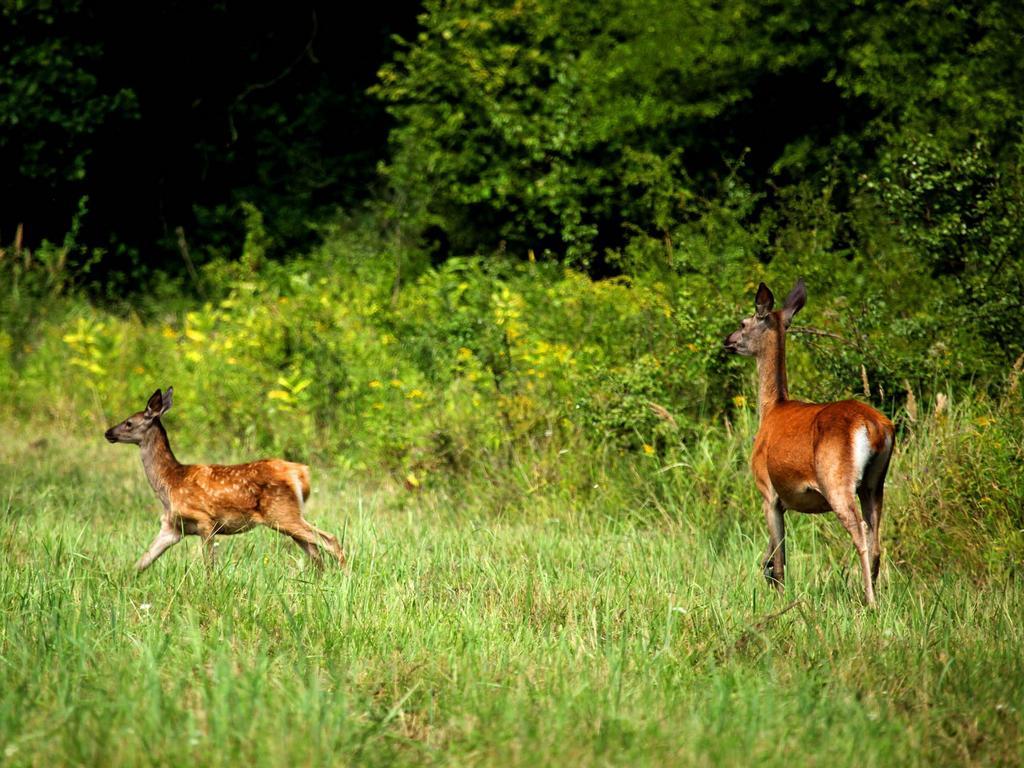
473	263
629	625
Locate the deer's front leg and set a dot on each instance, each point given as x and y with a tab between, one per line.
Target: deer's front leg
167	538
775	557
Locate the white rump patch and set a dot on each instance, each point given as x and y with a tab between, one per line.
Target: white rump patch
861	452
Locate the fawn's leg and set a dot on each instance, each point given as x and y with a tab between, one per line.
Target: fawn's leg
207	531
167	538
285	516
209	553
331	544
301	533
308	543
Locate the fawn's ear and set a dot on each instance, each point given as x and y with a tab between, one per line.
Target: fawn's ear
794	301
168	400
764	301
155	406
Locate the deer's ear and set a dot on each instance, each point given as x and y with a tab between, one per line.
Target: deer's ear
794	301
155	405
764	301
168	400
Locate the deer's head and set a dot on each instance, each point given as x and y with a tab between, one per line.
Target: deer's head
133	429
758	331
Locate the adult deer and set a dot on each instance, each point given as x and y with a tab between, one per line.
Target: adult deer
811	457
209	499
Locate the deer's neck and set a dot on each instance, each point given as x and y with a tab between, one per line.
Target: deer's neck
771	370
158	460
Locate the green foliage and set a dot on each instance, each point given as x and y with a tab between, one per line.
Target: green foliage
478	359
53	101
268	107
961	209
585	133
517	123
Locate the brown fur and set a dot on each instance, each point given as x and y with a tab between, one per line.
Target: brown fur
805	454
206	500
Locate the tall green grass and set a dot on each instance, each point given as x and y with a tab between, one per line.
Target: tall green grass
606	612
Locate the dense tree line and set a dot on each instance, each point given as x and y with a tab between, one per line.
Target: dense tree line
618	135
141	119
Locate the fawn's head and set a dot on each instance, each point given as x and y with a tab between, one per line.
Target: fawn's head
134	428
761	329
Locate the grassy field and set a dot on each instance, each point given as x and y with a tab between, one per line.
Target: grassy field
555	634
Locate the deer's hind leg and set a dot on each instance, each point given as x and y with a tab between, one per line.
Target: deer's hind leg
310	547
285	516
840	482
871	494
843	504
330	543
847	512
871	510
303	535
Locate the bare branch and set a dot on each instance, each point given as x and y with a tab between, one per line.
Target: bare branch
806	329
253	87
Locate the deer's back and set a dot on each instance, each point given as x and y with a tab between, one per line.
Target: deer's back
241	488
798	441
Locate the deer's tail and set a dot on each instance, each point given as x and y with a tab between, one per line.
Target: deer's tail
298	474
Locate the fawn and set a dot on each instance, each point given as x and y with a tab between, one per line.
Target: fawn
812	457
209	499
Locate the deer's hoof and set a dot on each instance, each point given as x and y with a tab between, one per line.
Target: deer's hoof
769	574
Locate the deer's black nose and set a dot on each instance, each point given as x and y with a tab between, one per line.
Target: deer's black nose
109	434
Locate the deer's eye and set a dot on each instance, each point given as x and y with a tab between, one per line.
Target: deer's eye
129	424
